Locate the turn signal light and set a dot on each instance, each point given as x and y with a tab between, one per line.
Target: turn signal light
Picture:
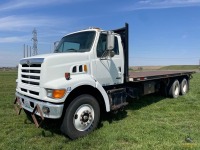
85	68
58	93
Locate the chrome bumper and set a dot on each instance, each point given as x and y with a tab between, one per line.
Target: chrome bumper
55	110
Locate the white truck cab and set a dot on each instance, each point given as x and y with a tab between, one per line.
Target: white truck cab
82	64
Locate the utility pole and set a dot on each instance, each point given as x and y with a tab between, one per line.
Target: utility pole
24	50
35	41
27	50
199	64
30	51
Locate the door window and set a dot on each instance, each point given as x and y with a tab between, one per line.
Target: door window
102	44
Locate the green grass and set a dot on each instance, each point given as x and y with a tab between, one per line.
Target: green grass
152	123
181	67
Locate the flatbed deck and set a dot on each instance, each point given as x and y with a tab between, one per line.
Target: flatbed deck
151	75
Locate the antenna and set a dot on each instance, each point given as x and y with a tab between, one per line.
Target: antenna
35	41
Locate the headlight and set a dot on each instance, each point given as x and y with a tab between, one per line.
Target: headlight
57	93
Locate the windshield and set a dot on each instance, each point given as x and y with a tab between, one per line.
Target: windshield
78	42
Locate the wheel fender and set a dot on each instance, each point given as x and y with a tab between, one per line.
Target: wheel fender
104	94
88	80
82	81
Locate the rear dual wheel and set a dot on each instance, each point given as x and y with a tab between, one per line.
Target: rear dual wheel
184	86
177	88
174	89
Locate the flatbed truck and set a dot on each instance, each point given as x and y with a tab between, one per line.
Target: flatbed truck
88	73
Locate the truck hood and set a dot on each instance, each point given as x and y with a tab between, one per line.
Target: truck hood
60	58
54	66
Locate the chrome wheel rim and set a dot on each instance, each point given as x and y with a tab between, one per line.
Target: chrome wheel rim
176	92
184	86
83	117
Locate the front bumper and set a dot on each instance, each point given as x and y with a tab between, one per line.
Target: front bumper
55	110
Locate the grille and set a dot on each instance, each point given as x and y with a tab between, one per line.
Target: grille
31	65
30	75
31	70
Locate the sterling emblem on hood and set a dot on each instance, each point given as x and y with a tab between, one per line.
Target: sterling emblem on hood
32	61
28	62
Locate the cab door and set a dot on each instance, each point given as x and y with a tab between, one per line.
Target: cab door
109	71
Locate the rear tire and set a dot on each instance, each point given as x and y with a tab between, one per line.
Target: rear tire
184	86
174	89
81	117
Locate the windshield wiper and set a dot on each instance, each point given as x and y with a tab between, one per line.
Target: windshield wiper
72	49
83	50
56	51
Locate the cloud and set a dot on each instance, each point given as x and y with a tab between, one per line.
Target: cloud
21	23
10	39
18	29
161	4
18	4
13	39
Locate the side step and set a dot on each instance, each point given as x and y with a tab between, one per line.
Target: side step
116	107
117	98
18	108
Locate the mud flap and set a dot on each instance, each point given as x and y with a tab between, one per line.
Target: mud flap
37	109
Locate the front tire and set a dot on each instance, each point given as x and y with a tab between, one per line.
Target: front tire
81	117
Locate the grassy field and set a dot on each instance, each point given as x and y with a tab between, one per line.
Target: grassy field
153	123
172	67
181	67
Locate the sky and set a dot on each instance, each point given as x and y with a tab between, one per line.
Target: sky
161	32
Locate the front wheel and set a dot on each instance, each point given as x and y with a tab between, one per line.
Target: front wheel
81	117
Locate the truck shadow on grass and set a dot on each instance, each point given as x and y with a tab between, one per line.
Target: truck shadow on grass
49	127
52	127
134	104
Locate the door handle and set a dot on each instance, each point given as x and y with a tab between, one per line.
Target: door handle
120	69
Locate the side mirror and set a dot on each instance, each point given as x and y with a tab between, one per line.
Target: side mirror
110	40
56	44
